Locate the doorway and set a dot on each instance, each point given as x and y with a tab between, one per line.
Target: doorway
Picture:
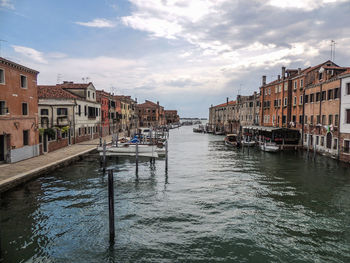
2	148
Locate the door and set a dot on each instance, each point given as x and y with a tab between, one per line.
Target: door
329	140
2	148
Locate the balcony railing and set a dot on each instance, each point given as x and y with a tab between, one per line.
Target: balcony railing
4	111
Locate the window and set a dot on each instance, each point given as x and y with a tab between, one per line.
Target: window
301	83
79	110
336	120
305	137
62	111
312	119
318	94
312	96
276	89
285	101
347	114
24	108
323	119
346	147
23	82
2	76
336	93
301	119
294	119
25	137
93	96
323	95
44	112
335	144
347	87
295	84
88	94
318	119
284	119
330	94
295	101
317	140
285	87
330	119
85	110
322	141
301	100
320	76
305	119
3	109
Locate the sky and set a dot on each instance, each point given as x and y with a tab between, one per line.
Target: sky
186	54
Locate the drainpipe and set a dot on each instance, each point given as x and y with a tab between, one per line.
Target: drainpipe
303	121
74	133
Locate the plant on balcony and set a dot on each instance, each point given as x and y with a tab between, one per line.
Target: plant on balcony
65	129
41	131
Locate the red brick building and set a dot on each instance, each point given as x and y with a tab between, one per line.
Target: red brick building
104	99
150	114
171	117
19	134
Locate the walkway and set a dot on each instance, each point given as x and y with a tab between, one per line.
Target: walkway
14	174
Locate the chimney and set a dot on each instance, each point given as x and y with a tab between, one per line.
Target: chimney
158	103
279	77
263	80
136	100
299	71
226	100
283	72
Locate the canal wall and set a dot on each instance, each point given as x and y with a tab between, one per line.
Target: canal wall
12	175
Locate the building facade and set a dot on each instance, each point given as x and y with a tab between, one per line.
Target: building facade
150	114
171	117
19	133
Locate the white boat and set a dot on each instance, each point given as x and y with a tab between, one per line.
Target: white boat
248	143
269	147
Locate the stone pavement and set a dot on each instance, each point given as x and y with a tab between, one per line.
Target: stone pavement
14	174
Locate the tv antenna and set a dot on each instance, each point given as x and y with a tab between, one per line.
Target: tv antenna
1	40
333	43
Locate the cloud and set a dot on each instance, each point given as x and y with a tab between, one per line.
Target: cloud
30	53
6	4
98	22
302	4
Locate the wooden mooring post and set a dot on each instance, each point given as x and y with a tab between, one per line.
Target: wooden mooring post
166	155
137	158
104	156
111	206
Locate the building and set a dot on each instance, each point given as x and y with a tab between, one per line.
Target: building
171	117
19	134
224	118
321	108
128	117
344	141
248	109
87	111
57	112
104	98
150	114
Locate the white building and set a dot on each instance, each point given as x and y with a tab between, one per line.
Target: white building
344	143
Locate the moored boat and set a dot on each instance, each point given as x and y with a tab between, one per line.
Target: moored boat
232	140
269	147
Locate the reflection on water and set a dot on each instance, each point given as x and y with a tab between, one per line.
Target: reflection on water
214	204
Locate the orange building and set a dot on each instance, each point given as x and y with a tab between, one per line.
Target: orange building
19	134
150	114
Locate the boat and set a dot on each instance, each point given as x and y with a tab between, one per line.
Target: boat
247	143
232	140
269	147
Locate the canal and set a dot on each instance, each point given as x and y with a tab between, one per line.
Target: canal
214	205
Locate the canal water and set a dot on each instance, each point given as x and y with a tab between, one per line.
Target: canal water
215	204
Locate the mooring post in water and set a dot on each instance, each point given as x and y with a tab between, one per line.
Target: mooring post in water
137	158
104	156
166	155
111	206
116	141
100	141
314	151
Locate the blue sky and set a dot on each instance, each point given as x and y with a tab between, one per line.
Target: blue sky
186	54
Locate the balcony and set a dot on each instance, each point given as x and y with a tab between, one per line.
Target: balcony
4	111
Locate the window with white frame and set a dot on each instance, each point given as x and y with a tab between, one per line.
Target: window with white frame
285	86
295	101
301	83
285	101
2	76
295	84
301	100
24	83
347	88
